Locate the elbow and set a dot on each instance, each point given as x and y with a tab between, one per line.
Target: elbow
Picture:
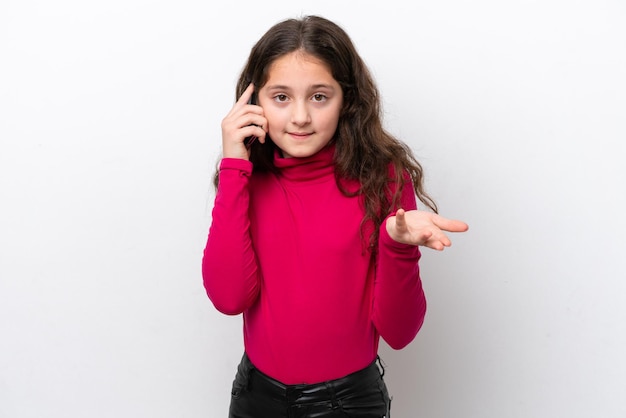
405	328
398	342
398	345
230	300
228	304
226	298
228	307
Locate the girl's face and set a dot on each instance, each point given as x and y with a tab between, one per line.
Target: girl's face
301	101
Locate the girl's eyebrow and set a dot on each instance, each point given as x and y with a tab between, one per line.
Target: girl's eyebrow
277	87
312	87
322	86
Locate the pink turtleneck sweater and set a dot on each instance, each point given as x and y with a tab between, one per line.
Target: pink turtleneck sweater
285	251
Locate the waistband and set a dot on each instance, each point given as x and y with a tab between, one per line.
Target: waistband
316	392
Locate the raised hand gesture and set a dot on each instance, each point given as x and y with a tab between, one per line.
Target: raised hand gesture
417	227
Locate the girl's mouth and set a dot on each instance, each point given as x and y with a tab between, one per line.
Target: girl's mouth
300	135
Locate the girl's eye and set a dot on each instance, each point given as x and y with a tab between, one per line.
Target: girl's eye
280	97
319	97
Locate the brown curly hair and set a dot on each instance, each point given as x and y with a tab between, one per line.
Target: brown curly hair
364	151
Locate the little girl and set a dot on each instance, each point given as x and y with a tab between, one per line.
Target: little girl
315	234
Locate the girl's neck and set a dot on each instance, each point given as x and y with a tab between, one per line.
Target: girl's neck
319	166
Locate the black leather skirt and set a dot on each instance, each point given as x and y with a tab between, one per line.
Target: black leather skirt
362	394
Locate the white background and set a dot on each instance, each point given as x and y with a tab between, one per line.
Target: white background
110	130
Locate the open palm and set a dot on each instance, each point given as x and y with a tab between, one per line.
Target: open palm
416	227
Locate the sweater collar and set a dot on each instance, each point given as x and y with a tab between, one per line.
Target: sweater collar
317	167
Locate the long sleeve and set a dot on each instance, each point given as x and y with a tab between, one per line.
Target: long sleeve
399	301
229	267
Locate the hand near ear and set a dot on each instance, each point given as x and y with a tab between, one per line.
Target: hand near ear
244	120
417	227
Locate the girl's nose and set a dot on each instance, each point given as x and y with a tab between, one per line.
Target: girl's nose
300	114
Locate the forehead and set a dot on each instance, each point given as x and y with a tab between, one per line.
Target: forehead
299	65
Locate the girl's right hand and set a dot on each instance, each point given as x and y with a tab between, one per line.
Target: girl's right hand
242	121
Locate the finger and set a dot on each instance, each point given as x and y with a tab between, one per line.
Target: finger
251	118
445	241
251	130
435	244
239	105
450	225
259	133
261	138
401	220
425	238
246	95
260	123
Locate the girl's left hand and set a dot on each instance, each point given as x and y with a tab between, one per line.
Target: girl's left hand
417	227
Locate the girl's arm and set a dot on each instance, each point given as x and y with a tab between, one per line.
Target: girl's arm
399	301
229	266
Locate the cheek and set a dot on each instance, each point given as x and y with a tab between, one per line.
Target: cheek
275	121
332	120
270	116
